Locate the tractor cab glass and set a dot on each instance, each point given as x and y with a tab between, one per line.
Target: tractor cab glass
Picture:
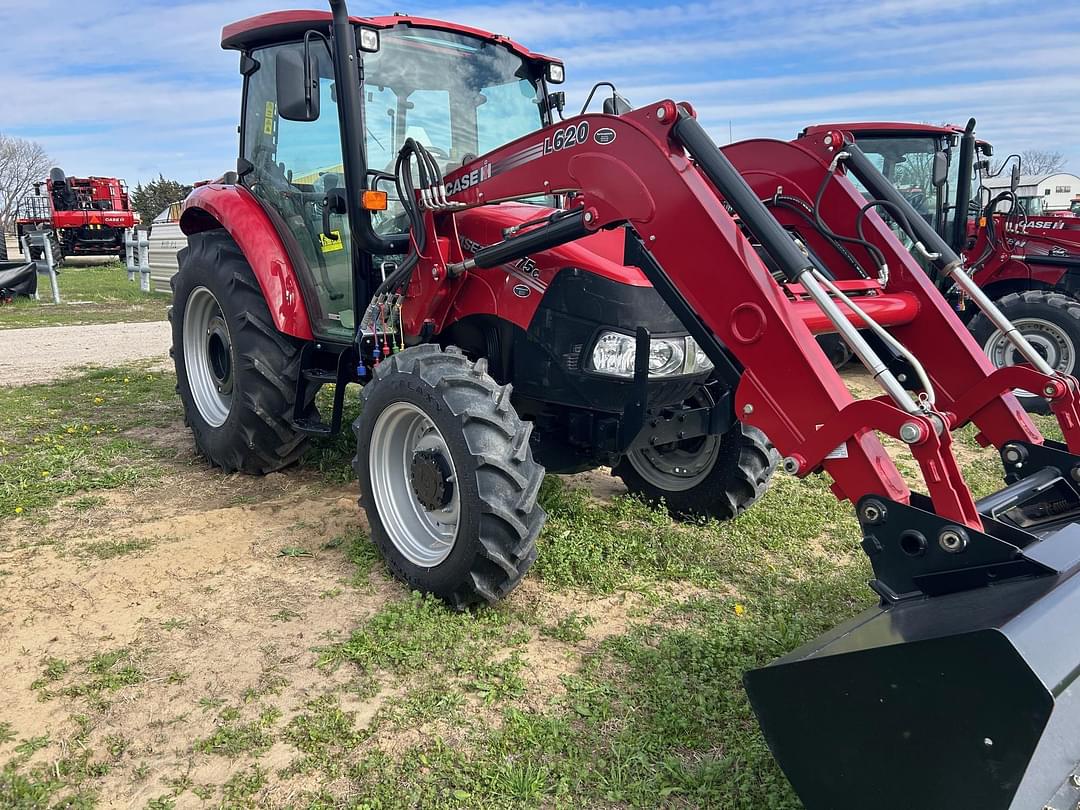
908	163
916	166
458	96
296	162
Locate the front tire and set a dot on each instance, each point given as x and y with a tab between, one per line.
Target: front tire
1049	320
447	476
705	477
236	374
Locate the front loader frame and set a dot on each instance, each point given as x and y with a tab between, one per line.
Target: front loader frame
691	217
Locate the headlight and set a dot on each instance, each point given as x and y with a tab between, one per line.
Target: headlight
614	354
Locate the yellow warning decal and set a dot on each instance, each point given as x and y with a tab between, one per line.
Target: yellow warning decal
268	118
328	244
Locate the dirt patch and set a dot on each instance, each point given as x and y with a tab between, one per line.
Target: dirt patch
601	484
205	605
42	354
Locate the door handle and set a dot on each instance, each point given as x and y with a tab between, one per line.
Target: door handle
335	202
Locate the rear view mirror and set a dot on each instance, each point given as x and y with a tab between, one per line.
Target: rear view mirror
941	169
297	80
616	105
1014	178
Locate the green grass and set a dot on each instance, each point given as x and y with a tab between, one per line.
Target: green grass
100	294
649	711
235	736
68	438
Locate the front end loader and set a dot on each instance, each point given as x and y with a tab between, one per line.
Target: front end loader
509	289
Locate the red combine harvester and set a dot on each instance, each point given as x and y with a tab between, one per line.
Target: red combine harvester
1026	260
87	215
575	292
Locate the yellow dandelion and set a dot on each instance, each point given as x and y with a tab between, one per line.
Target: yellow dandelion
44	473
740	609
98	400
18	510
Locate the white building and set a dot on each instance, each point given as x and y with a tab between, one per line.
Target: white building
1055	191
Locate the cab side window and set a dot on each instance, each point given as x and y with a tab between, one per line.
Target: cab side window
295	164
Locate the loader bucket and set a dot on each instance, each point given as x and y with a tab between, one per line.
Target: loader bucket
966	701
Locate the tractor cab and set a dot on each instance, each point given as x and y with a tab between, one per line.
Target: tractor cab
457	91
933	168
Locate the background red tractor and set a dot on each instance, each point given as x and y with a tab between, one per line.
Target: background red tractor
513	291
87	215
1028	262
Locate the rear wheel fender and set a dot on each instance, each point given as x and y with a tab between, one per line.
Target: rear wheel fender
239	213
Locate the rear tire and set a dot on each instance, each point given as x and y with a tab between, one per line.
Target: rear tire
722	476
1051	321
245	424
447	476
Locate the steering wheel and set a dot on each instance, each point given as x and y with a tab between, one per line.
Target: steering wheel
917	200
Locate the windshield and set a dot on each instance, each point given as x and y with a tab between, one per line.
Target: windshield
908	163
458	96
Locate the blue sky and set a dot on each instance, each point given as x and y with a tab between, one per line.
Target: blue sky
137	87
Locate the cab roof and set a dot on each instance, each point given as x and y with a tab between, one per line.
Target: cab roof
283	26
884	127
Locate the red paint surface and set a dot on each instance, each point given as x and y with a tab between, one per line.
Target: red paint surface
238	212
235	35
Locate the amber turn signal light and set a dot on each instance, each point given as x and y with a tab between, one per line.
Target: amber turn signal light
373	201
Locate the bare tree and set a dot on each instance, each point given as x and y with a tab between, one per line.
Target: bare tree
1036	162
22	163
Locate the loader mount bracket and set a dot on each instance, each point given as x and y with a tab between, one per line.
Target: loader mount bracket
916	553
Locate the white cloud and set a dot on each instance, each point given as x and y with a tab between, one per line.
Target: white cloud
135	87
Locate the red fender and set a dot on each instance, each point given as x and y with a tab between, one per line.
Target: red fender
236	209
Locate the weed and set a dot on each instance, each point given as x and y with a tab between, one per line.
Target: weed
570	628
242	787
116	745
324	734
31	744
234	737
211	703
117	547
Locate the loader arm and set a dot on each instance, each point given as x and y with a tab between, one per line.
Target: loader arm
656	170
971	592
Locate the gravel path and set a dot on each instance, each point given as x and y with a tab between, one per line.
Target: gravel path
46	353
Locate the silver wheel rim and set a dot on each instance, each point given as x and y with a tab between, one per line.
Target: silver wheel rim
1049	340
423	535
208	356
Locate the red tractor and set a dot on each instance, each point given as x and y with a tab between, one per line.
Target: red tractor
513	289
86	215
1026	260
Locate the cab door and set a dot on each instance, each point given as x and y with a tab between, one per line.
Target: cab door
295	164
